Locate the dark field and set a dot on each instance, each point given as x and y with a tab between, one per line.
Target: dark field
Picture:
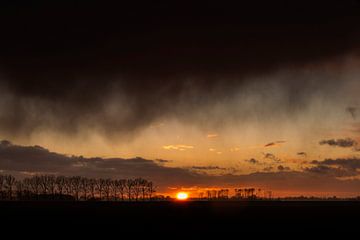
334	216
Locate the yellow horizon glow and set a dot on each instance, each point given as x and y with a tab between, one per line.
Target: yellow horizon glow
182	196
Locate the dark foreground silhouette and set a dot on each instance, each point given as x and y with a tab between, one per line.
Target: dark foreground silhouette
190	216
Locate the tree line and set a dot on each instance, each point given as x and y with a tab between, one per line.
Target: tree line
47	187
240	193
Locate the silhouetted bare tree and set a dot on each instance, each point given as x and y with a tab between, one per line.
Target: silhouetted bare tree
107	188
121	185
129	188
76	188
150	189
100	186
2	180
19	189
84	184
137	188
60	182
68	186
92	183
51	184
9	185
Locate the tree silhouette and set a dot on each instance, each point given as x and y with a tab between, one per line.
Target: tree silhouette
107	188
19	189
100	186
75	183
150	189
121	185
92	183
84	185
75	187
9	185
60	184
129	188
2	180
137	188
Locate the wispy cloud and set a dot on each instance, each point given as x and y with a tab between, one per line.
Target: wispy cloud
252	161
235	149
162	161
212	135
341	142
302	154
283	168
268	169
272	157
274	144
352	111
340	167
208	168
348	163
179	147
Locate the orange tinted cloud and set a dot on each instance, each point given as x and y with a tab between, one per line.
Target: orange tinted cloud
179	147
212	135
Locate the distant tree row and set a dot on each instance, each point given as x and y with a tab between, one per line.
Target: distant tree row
240	193
215	194
247	193
47	187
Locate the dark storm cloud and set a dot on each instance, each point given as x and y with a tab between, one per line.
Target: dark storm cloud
34	158
345	143
121	67
22	160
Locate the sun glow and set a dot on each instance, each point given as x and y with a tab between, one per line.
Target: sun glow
182	196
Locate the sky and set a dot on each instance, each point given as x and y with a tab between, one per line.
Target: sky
189	96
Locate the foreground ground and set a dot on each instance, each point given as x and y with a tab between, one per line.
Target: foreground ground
183	216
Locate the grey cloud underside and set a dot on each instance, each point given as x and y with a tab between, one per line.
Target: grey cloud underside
35	159
116	71
22	160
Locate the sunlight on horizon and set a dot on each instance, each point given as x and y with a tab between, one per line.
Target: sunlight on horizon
182	196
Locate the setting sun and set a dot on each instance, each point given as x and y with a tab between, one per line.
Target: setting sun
182	196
